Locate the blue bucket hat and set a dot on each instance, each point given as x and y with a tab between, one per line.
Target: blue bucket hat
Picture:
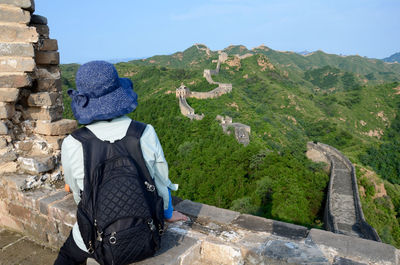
100	94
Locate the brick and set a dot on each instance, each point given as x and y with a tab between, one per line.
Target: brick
12	223
36	231
15	80
16	49
10	167
64	210
36	165
45	202
11	14
64	229
9	94
37	113
44	57
30	199
43	99
10	33
26	4
54	141
16	64
42	30
49	72
3	129
47	45
7	154
3	142
60	127
6	110
50	85
37	19
25	145
19	211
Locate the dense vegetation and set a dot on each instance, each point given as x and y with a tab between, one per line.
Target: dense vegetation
287	99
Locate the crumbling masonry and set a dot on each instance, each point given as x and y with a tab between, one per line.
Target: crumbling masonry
31	125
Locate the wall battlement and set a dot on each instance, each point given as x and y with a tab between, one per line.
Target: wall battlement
242	131
343	211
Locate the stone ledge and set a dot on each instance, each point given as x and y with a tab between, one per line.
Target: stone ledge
354	247
15	80
204	212
260	224
241	239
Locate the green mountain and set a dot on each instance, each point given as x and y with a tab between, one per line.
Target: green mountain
394	58
351	103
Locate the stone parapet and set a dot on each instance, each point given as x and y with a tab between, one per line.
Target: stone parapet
211	236
343	173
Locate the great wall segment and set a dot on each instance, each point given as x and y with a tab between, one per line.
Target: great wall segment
343	211
32	130
242	131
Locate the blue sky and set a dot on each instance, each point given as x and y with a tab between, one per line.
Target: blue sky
104	29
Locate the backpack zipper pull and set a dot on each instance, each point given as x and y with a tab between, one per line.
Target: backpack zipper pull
151	225
99	234
149	186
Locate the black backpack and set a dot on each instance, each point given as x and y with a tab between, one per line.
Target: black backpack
120	215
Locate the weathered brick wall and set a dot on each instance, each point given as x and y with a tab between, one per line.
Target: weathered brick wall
31	124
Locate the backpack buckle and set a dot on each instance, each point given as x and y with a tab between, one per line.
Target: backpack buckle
149	186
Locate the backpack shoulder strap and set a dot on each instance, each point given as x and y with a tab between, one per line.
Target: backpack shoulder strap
83	134
136	129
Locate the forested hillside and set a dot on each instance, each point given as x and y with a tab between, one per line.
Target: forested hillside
351	103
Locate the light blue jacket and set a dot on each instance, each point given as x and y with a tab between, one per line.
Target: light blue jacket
72	162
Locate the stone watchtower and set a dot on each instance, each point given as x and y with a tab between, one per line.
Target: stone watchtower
31	124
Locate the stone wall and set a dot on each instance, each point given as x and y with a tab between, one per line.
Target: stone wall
242	131
211	236
337	159
31	126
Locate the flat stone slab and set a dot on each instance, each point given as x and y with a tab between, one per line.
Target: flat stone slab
354	248
206	212
291	252
172	252
7	237
260	224
25	252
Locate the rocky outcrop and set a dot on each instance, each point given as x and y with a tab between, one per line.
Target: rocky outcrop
343	211
31	124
